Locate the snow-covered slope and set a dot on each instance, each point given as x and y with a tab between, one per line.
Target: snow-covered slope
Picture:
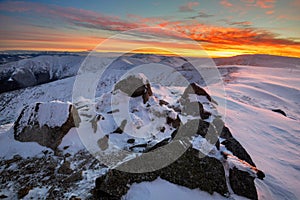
56	66
38	70
252	92
271	139
260	60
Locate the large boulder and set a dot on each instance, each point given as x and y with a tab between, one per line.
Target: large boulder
135	86
242	183
45	123
191	103
194	88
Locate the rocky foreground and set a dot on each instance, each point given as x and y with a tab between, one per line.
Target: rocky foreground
171	120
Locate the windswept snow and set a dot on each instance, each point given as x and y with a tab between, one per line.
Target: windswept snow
160	189
270	138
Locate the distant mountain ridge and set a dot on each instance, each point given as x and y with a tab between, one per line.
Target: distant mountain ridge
25	69
260	60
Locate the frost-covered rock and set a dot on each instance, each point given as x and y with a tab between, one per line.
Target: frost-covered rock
213	159
45	123
189	170
193	99
135	86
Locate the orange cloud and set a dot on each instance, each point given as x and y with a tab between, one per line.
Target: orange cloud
237	38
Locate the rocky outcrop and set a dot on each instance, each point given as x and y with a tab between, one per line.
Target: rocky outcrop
242	183
189	170
135	86
194	88
45	123
191	105
194	168
279	111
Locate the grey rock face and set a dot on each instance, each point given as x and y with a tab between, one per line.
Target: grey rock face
34	125
189	170
135	86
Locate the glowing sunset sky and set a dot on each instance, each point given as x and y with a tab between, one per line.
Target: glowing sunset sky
221	27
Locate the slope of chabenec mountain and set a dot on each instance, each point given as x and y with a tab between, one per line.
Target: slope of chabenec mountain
260	60
30	170
170	123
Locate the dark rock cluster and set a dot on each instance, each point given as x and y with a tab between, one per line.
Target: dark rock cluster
192	169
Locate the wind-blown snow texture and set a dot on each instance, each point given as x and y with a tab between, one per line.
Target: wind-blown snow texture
270	138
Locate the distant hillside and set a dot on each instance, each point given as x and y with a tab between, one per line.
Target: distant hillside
260	60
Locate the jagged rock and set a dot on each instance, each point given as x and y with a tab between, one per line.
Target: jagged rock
131	141
189	170
135	86
3	196
163	102
14	159
121	128
194	108
162	129
238	150
159	144
230	142
194	88
200	127
279	111
242	183
174	122
65	168
45	123
24	191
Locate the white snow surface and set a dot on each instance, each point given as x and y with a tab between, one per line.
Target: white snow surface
160	189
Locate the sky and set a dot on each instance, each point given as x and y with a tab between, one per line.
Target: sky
217	27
